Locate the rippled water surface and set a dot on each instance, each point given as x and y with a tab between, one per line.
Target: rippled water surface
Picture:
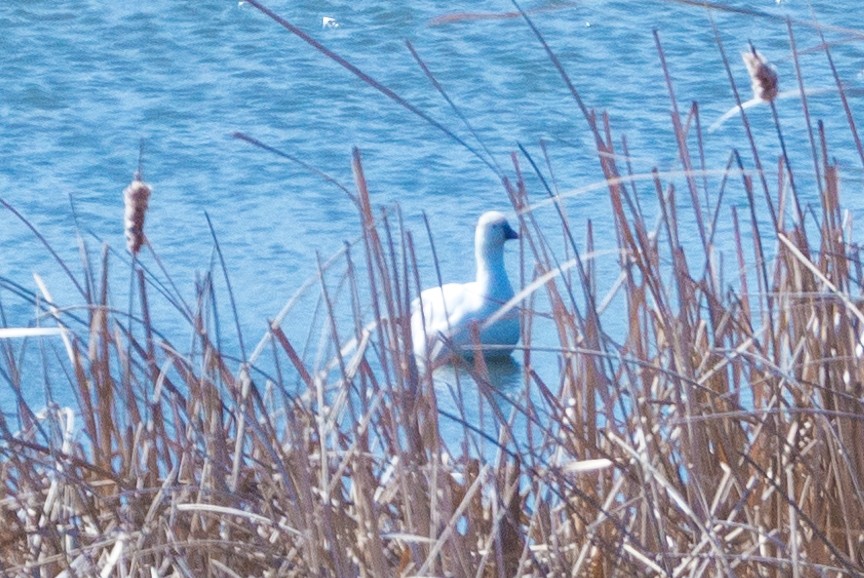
82	81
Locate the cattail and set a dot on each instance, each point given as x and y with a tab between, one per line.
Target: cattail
762	75
135	198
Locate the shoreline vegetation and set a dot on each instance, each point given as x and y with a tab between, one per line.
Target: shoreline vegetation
723	434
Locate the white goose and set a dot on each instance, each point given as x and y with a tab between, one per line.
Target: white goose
450	310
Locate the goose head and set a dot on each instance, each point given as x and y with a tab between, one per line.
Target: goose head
492	231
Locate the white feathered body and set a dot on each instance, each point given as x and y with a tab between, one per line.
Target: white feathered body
450	311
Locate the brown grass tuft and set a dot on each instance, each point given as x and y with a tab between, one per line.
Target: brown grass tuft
763	77
136	198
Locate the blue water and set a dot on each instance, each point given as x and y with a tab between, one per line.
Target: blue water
83	81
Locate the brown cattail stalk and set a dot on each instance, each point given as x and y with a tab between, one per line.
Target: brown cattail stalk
135	198
763	77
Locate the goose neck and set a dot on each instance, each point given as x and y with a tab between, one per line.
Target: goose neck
491	274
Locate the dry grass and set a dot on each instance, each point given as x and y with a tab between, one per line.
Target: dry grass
720	435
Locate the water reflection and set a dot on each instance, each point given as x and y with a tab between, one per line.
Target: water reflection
474	402
504	374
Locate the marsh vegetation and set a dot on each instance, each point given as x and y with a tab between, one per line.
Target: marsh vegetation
719	433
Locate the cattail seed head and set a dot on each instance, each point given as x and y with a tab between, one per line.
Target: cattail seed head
763	77
135	198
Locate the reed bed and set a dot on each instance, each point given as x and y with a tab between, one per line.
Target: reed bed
721	434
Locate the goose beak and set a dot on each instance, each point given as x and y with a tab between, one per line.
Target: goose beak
509	233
